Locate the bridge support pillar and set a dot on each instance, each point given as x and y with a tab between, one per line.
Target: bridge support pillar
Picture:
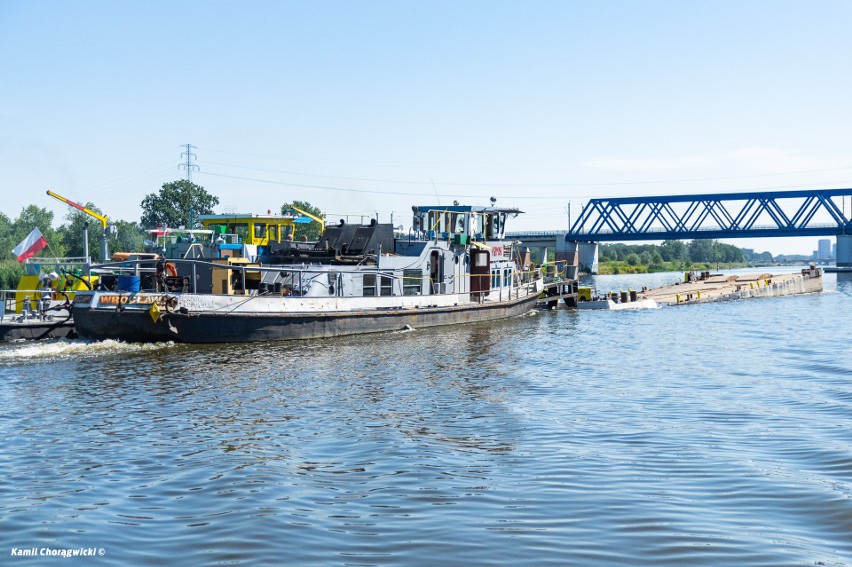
844	250
587	260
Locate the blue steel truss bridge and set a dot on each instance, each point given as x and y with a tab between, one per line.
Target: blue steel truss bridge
817	212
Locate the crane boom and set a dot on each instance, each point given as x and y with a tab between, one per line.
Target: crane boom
89	212
309	215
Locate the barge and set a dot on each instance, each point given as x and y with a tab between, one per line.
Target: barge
40	308
706	288
47	319
454	266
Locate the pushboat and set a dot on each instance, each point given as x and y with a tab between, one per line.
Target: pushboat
453	266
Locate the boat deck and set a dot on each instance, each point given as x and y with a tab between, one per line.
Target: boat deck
729	287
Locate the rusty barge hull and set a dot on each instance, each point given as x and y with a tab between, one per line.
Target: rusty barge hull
735	287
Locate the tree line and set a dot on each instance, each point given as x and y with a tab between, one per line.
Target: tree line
178	203
697	251
673	255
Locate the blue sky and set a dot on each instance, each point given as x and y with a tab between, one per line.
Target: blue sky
365	107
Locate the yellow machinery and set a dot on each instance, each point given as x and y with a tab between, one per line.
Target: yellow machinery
31	287
257	230
230	282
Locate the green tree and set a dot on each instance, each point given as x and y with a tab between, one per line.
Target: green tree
311	231
633	259
673	251
10	274
128	237
71	232
730	254
13	232
171	207
701	250
7	238
606	253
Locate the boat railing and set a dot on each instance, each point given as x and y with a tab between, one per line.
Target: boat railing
522	282
555	271
43	260
37	264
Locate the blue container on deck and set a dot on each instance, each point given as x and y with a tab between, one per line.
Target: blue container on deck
128	283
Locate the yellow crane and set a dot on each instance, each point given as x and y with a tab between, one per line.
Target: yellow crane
310	216
90	212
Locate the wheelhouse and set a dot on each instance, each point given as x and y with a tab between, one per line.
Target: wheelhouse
253	229
462	223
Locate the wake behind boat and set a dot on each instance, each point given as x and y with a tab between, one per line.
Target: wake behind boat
454	266
610	305
613	301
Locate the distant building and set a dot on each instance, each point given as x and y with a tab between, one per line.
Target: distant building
823	251
834	250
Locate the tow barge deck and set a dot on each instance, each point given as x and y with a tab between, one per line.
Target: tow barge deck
707	288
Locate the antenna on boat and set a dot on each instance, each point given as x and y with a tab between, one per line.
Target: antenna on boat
436	192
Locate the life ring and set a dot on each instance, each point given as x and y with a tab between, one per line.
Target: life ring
171	269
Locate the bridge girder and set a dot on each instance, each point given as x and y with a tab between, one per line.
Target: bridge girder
715	215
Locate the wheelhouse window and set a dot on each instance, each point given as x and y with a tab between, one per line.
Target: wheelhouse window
260	230
412	281
240	229
458	223
474	226
383	284
369	285
386	284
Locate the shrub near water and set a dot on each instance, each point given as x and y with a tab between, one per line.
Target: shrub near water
10	274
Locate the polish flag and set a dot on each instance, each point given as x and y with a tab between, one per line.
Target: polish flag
31	245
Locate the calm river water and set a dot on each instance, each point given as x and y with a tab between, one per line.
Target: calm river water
712	434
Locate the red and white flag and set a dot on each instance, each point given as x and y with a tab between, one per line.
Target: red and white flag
31	245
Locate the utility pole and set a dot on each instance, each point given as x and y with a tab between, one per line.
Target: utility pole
569	216
188	166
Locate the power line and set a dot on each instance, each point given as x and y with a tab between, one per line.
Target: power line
542	185
468	196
